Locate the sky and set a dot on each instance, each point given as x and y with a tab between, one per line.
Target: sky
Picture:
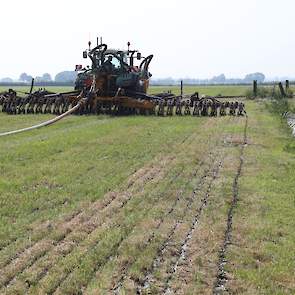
189	38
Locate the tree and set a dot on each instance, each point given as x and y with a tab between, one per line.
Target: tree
46	77
38	79
66	76
255	76
218	79
24	77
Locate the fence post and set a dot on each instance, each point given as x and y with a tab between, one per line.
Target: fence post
32	85
255	88
287	85
181	88
283	93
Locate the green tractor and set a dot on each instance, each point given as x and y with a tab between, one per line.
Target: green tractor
118	81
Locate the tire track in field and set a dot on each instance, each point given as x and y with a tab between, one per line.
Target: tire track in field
158	260
221	276
43	273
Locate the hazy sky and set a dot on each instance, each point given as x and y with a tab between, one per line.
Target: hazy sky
189	38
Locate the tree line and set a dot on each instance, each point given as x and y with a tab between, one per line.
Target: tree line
69	77
62	77
220	79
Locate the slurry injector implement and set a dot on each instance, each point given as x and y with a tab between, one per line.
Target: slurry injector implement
114	84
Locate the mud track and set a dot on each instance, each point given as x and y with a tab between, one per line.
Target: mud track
168	251
222	278
118	284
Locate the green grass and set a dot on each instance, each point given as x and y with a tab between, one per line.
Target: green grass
27	88
203	90
78	160
207	90
262	257
50	174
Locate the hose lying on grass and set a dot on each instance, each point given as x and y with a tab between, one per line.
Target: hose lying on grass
49	122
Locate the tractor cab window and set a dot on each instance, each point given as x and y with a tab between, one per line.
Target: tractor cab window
113	60
125	58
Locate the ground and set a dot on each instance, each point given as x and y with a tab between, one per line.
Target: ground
148	205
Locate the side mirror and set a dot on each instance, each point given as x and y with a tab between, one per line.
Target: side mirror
138	55
85	55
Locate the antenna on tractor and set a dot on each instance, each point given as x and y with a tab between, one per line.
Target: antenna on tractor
128	44
89	44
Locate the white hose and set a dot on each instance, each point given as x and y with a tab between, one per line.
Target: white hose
49	122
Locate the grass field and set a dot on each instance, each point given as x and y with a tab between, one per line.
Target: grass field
208	90
148	205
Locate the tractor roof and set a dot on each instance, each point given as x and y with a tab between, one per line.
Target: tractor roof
113	50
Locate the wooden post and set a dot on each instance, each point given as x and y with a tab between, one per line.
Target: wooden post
255	88
283	93
32	85
181	88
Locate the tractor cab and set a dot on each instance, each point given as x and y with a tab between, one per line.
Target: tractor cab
115	69
109	60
